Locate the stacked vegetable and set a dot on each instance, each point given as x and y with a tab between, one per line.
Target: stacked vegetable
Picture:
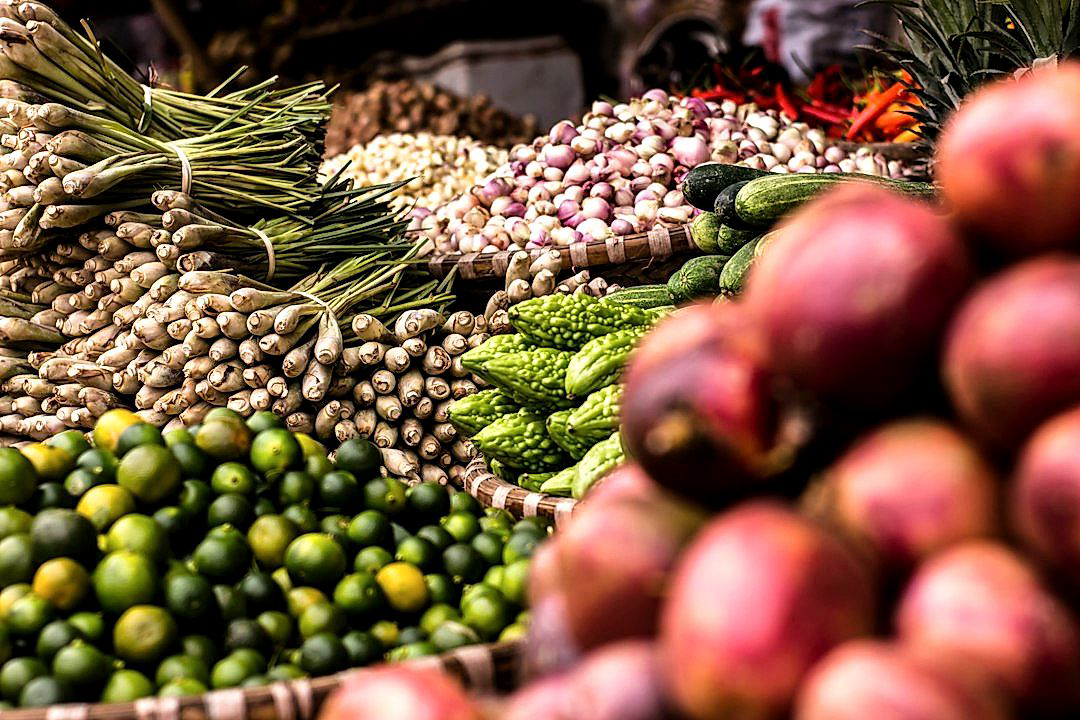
550	420
233	553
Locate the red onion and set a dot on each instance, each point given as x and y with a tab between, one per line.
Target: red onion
665	130
558	156
623	197
593	229
535	169
595	207
642	168
697	105
655	94
537	193
584	146
565	236
519	195
640	182
602	190
690	151
646	209
568	209
554	187
538	235
553	173
574	220
575	193
576	173
518	168
602	107
563	132
621	158
674	198
499	204
514	209
622	227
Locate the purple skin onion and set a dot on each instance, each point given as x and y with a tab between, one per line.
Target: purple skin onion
558	156
574	220
538	193
563	132
674	199
520	194
622	227
602	190
601	107
656	94
593	229
514	209
499	204
553	173
690	151
567	210
575	193
646	194
539	236
577	173
594	207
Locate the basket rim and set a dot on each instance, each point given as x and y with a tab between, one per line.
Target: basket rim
492	491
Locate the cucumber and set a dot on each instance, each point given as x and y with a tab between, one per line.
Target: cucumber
729	240
643	296
704	182
733	276
724	209
697	278
703	231
766	200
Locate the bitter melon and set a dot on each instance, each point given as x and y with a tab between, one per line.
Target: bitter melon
475	359
599	461
535	378
567	322
598	416
556	425
473	413
521	441
601	360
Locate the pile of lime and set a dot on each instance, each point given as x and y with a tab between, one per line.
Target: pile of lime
234	553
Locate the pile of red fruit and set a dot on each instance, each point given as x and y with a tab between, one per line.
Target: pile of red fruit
889	424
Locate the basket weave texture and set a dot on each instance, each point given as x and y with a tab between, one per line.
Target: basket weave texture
492	491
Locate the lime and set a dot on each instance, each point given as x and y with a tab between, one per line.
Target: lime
362	647
358	456
284	672
182	687
532	525
176	667
176	524
70	441
123	579
301	598
233	477
437	536
100	463
482	588
339	489
323	654
126	686
9	595
520	545
62	582
144	633
246	633
441	589
150	473
13	520
309	446
404	587
451	635
179	436
81	665
515	581
110	426
6	647
102	505
315	559
464	502
189	596
231	509
261	592
231	602
269	536
79	481
296	487
371	559
43	692
60	532
52	495
419	552
302	517
436	615
462	525
429	501
337	527
193	463
495	526
195	498
370	527
224	439
28	615
495	576
273	451
54	636
16	560
253	659
222	558
18	479
50	463
386	495
359	594
135	435
223	414
411	651
229	672
321	617
317	465
489	545
17	672
386	632
487	613
264	420
91	625
265	506
464	564
513	632
278	626
138	533
200	647
410	635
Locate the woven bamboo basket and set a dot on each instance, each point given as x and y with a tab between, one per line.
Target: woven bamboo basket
492	491
654	247
481	668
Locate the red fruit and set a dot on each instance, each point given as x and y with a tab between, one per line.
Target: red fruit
1012	357
614	559
699	411
399	693
1046	506
1009	163
854	292
627	480
871	680
910	489
619	682
550	647
981	606
546	699
759	597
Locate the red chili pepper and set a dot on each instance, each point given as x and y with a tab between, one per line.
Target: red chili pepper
828	115
874	108
786	105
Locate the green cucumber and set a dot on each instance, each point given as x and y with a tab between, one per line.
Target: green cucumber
697	278
724	208
766	200
704	182
733	276
703	231
645	297
730	239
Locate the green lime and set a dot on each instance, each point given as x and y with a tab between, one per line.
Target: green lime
17	672
515	581
464	502
224	439
495	576
441	589
43	692
144	633
263	420
278	626
176	524
189	596
265	506
195	498
337	527
296	487
514	632
254	681
91	625
321	617
110	426
72	442
386	495
371	527
358	456
222	558
136	435
429	501
269	536
233	477
103	504
28	615
520	545
386	632
123	579
127	686
532	525
323	654
223	414
490	547
309	446
359	594
463	563
6	646
16	559
9	595
13	521
52	495
317	465
54	636
179	436
176	667
138	533
229	672
183	687
62	582
481	588
315	559
284	672
193	463
246	633
371	559
412	651
50	463
488	614
301	598
410	635
302	516
495	526
339	489
436	615
79	481
100	463
261	592
404	587
463	526
438	536
362	647
419	552
200	647
81	665
273	451
231	509
62	533
451	635
150	473
231	603
18	479
254	659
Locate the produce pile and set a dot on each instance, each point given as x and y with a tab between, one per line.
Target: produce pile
434	168
233	554
617	172
405	106
886	425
